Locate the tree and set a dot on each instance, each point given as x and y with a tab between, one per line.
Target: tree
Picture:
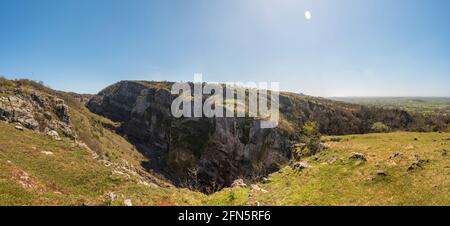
380	127
311	140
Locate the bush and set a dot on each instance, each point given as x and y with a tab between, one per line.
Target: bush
448	128
380	127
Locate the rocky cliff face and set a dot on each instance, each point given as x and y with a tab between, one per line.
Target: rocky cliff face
36	111
207	152
213	152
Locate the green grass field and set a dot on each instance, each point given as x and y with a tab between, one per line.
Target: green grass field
354	182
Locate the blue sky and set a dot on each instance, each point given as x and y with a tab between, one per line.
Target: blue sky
347	48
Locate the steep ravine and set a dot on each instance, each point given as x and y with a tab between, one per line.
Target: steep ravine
210	153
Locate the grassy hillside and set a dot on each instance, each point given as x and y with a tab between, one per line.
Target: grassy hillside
384	179
37	170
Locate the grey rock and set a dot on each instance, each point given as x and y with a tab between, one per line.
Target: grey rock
358	156
239	183
54	135
34	111
127	202
19	128
300	165
332	160
265	180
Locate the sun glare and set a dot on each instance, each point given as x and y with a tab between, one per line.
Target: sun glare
308	15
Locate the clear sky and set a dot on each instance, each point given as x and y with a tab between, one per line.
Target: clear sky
346	48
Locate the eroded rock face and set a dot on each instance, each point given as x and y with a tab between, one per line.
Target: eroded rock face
219	150
36	111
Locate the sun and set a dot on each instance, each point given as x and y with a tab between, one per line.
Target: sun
308	15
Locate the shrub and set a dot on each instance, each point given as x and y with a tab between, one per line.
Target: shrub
5	83
380	127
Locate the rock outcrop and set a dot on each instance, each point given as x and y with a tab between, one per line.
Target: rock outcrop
36	111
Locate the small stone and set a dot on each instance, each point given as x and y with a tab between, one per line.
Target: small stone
444	152
47	152
414	166
127	202
20	128
299	165
111	196
54	134
256	188
381	173
332	160
239	183
395	155
419	163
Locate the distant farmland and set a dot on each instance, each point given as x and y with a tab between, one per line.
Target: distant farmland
415	104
